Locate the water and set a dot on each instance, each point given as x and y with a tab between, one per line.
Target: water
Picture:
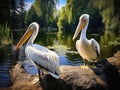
62	44
6	62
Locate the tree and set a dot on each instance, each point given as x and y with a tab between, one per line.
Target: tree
73	10
12	12
4	11
31	16
44	12
109	11
45	9
63	20
17	13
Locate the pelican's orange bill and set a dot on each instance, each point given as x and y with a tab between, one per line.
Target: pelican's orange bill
80	26
27	34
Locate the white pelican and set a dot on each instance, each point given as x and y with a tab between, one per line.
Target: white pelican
41	56
88	49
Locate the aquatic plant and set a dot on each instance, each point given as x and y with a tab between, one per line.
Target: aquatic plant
5	34
116	42
109	39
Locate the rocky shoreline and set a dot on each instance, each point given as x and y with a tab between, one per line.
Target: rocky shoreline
106	76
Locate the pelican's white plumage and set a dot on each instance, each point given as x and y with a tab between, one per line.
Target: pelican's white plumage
42	56
88	49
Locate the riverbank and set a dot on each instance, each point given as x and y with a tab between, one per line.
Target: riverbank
106	76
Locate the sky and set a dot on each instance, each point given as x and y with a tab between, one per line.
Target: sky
30	2
61	4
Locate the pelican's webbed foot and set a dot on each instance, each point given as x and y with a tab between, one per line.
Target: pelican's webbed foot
84	66
92	65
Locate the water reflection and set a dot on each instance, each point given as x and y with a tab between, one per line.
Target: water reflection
61	43
6	62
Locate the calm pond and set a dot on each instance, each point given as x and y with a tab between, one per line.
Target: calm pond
61	43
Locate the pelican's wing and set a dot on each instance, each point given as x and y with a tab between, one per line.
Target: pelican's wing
44	57
95	46
39	47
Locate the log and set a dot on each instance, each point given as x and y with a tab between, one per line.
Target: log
106	76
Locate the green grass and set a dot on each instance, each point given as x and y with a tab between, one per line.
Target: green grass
5	34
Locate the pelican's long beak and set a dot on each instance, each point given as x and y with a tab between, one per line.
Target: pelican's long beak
27	34
80	26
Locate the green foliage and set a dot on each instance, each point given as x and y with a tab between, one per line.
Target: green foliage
114	43
44	12
4	34
31	16
5	31
109	10
69	15
107	38
62	21
12	11
109	42
110	14
75	8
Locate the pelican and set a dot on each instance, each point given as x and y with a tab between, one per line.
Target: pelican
88	49
40	55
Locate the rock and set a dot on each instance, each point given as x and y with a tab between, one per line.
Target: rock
22	80
106	76
115	60
5	88
82	78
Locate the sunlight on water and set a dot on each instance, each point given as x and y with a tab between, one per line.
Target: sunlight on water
61	43
65	55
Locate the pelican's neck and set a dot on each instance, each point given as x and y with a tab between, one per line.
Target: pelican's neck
33	37
83	32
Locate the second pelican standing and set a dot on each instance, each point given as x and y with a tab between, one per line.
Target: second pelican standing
42	56
88	49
